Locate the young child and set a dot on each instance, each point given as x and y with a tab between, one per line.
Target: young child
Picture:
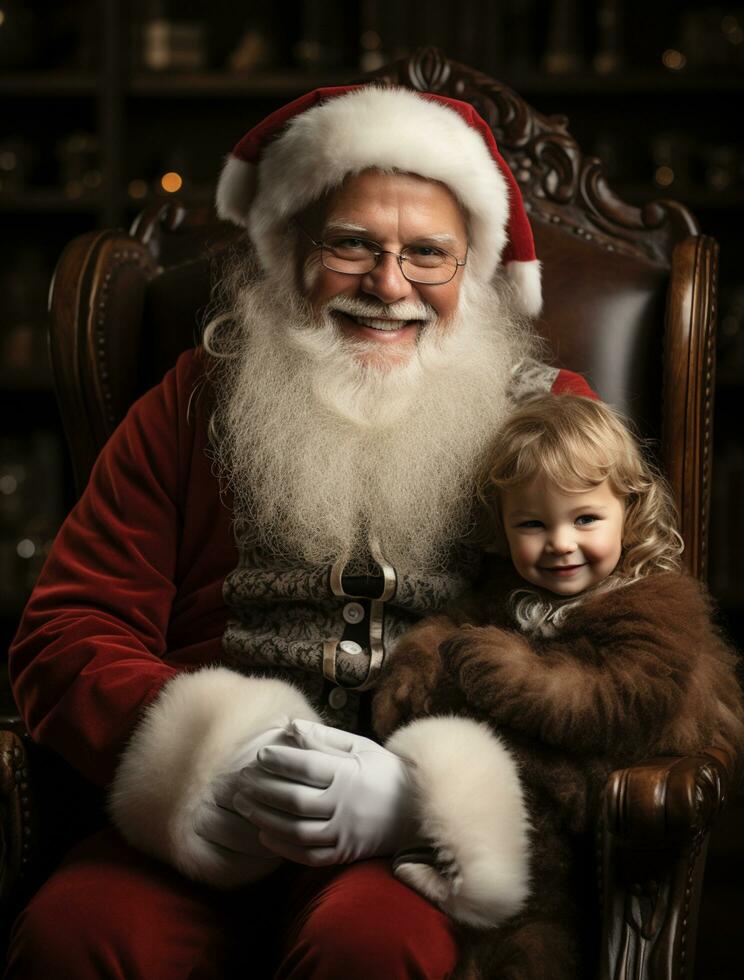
590	651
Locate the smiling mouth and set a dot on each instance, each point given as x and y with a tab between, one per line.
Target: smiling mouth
561	569
377	323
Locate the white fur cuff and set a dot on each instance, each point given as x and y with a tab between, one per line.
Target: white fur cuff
471	810
193	733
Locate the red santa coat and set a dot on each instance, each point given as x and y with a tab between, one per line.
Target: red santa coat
113	663
131	593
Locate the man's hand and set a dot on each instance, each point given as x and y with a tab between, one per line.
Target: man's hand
332	798
218	822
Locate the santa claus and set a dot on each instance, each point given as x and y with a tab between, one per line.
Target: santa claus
255	537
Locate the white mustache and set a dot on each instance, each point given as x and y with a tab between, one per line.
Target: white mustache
404	310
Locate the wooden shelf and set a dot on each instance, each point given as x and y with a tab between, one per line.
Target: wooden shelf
52	200
280	82
48	84
226	84
204	85
637	193
696	198
48	200
704	199
649	82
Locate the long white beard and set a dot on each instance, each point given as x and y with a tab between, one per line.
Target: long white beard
324	453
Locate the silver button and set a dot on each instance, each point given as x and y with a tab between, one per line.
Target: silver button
353	612
337	698
350	647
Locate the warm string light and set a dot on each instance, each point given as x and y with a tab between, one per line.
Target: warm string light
664	176
171	182
673	59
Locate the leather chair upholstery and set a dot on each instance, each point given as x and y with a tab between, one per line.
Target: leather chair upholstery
629	302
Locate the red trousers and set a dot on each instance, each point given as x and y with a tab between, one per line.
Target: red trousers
110	912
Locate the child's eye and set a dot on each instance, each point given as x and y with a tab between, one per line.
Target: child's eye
530	525
585	519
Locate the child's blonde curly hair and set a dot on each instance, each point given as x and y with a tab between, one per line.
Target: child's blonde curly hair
576	443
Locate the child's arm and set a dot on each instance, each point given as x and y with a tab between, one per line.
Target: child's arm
613	677
412	674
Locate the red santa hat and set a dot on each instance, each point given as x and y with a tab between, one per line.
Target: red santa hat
307	148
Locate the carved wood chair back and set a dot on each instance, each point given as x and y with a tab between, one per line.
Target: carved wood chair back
629	294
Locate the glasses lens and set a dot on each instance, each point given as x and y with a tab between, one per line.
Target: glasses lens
428	265
355	256
349	255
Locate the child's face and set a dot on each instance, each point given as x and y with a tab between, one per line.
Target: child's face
563	542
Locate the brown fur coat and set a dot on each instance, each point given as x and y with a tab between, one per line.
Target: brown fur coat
632	672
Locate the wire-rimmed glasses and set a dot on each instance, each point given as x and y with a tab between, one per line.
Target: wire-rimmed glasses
353	256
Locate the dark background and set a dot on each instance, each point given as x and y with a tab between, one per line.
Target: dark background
100	100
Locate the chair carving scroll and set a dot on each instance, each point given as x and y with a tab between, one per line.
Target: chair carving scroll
559	184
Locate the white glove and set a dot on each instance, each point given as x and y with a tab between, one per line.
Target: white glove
332	799
219	824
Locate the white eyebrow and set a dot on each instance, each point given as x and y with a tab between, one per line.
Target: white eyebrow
346	226
440	238
443	238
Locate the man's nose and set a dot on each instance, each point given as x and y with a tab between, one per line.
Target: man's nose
386	281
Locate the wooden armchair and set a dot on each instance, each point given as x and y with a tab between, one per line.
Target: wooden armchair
629	301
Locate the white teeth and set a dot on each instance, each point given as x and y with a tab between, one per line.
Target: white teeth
380	324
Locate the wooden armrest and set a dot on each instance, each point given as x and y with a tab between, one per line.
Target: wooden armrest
656	821
667	800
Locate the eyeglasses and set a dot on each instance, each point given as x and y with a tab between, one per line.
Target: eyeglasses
418	263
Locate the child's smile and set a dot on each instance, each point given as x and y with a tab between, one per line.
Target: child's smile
563	542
